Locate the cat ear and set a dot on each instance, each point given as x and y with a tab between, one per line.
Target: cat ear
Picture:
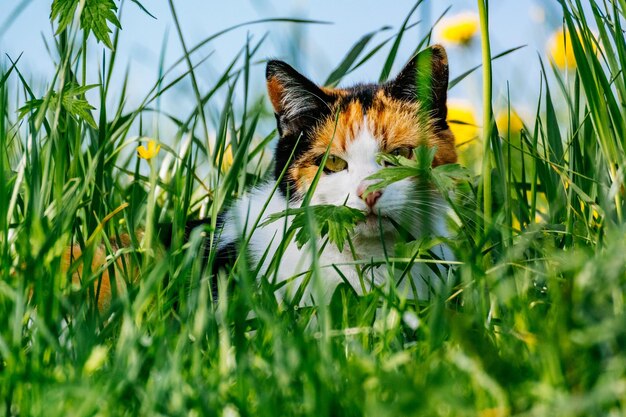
425	79
297	101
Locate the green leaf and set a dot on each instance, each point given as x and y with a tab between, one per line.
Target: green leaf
402	168
79	108
95	17
64	11
417	248
71	101
31	106
387	176
444	177
74	89
336	222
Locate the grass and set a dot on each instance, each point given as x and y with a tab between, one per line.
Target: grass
533	324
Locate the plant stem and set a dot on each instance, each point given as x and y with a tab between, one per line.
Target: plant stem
487	110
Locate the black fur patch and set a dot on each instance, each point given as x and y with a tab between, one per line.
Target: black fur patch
362	93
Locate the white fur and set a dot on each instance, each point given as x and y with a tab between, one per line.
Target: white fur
337	189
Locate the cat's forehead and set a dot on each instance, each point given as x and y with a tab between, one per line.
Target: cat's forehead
364	146
369	108
364	94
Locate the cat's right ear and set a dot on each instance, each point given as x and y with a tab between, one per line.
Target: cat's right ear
425	79
298	102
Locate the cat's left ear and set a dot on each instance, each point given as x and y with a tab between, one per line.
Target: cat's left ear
424	79
298	102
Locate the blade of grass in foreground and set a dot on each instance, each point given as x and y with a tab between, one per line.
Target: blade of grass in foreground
352	55
487	110
396	44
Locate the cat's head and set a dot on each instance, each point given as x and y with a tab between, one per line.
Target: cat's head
358	123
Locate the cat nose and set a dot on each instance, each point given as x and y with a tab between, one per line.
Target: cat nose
371	198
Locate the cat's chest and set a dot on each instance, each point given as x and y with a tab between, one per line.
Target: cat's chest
360	263
363	265
359	266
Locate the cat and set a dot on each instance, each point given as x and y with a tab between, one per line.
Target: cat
356	123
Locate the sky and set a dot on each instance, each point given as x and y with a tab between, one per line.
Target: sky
314	49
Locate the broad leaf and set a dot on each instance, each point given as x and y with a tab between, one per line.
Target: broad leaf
444	177
64	11
72	101
336	222
95	17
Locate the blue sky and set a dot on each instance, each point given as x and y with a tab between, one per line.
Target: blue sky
314	49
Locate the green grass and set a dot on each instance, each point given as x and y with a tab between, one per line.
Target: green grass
533	325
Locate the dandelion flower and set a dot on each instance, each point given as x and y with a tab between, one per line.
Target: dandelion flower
459	29
462	122
513	124
227	158
560	49
150	152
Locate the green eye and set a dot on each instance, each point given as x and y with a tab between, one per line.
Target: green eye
335	164
404	152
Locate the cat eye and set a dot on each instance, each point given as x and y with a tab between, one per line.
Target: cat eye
334	164
404	152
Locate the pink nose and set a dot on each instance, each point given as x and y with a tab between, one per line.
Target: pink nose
371	198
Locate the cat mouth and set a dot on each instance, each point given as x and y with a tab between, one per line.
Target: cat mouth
373	212
373	225
373	216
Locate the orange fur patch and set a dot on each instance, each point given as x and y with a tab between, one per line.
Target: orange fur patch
104	293
275	91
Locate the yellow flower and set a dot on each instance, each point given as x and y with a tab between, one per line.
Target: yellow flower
462	122
227	158
150	152
459	29
514	125
560	49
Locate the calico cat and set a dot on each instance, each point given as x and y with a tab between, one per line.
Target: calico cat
356	123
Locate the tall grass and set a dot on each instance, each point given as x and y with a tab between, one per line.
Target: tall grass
532	323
